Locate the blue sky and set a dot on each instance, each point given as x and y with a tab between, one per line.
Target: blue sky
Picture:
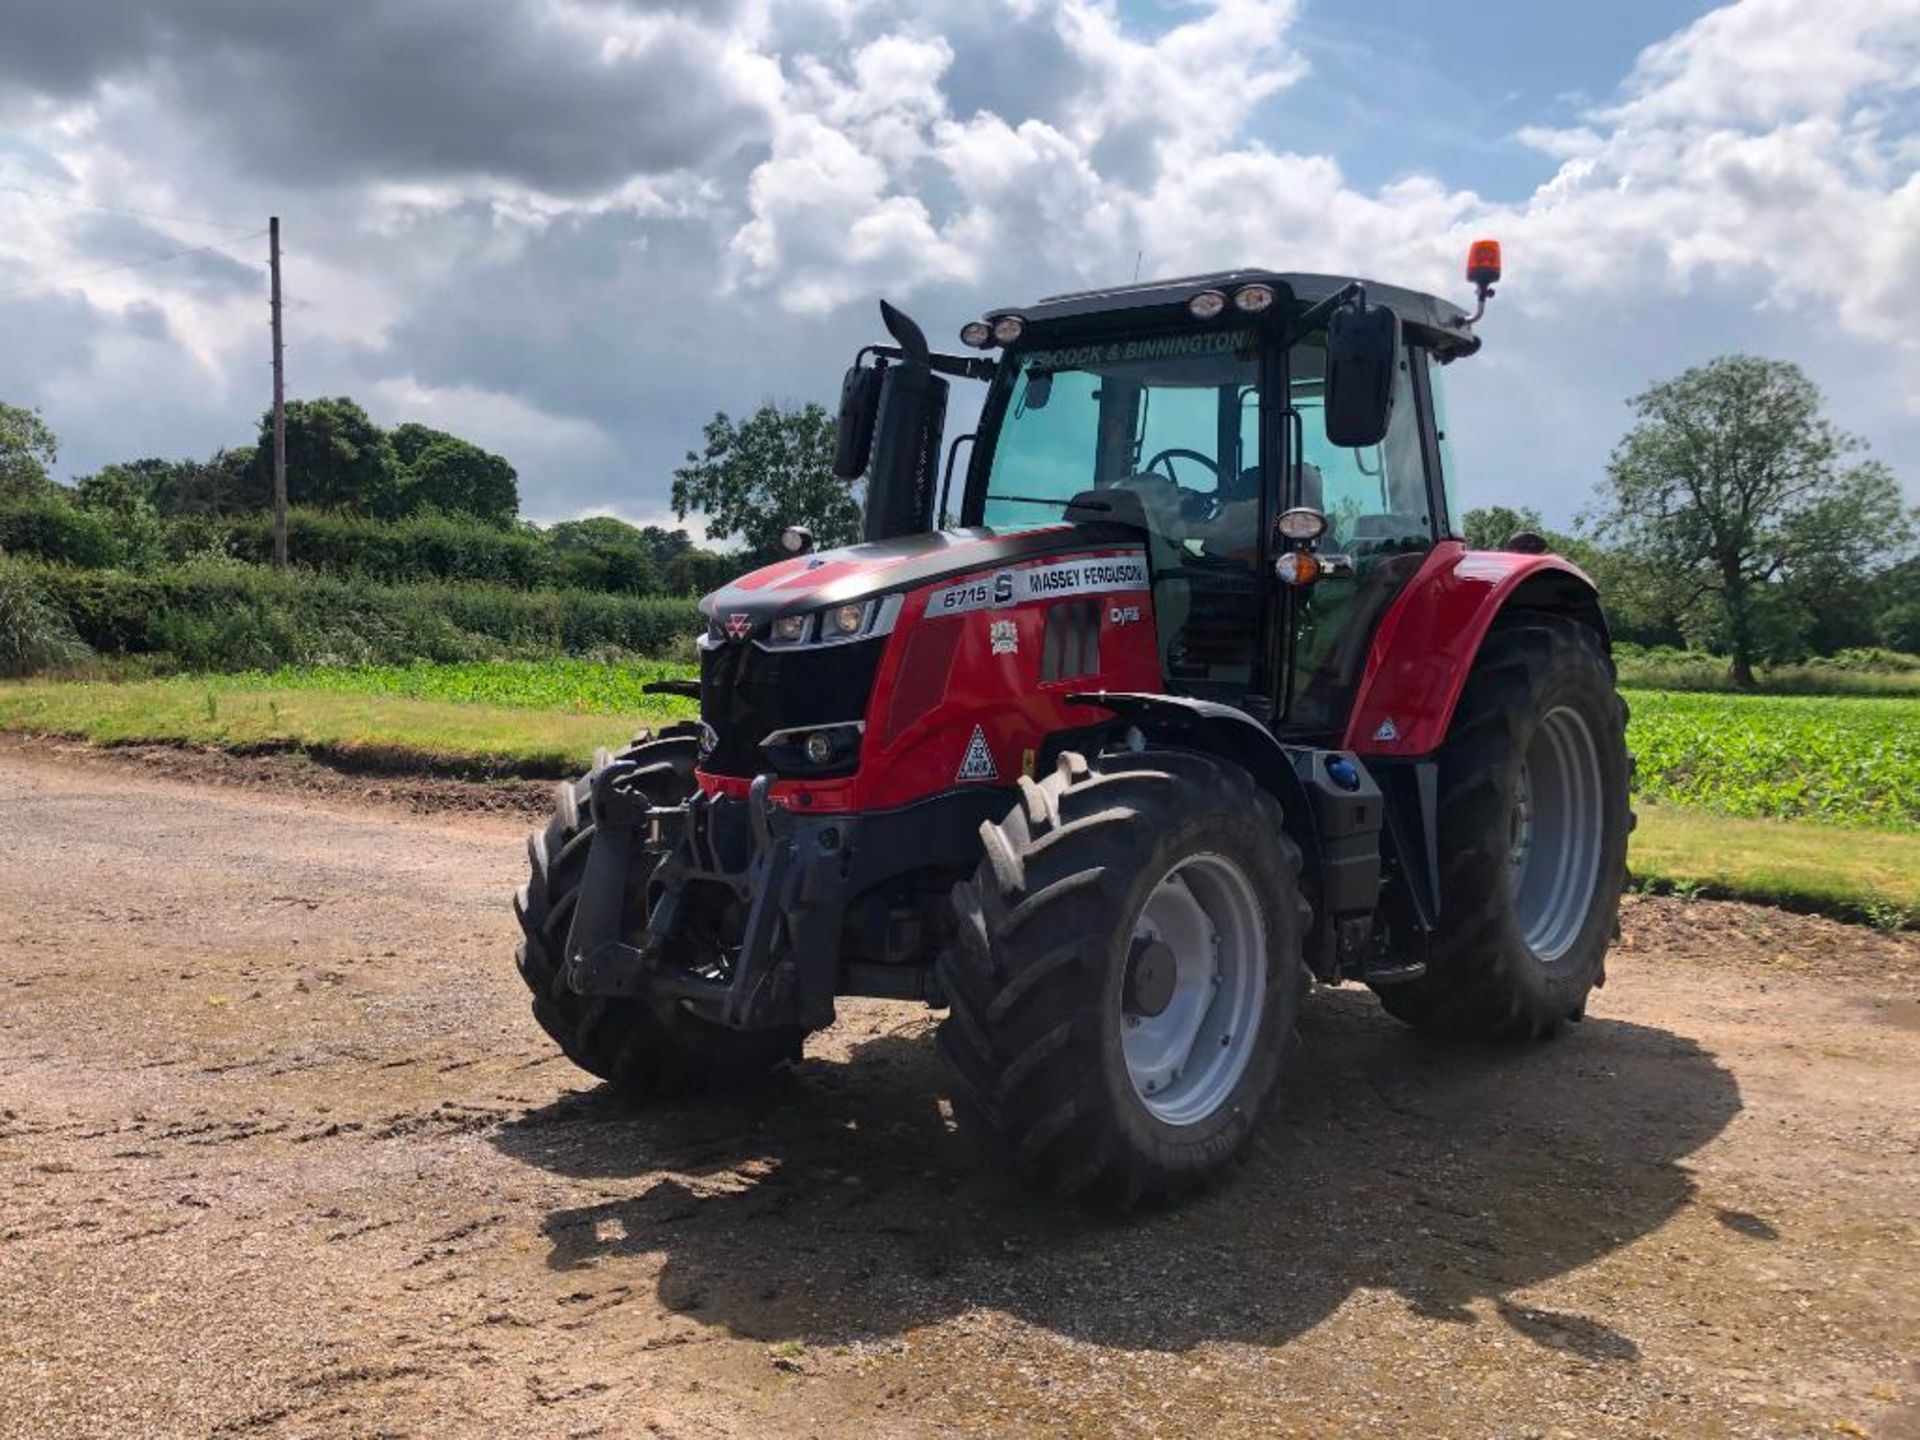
572	229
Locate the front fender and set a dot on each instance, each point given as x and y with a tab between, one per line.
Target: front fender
1427	641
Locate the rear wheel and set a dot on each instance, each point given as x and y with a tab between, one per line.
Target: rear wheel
1533	829
640	1046
1127	973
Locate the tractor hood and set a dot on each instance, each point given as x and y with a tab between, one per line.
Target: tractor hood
859	572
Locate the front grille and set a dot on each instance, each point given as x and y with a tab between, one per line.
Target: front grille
747	692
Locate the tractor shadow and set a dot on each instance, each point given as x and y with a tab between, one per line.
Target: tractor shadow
842	1204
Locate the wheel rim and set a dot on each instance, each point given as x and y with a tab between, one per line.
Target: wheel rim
1186	1060
1553	837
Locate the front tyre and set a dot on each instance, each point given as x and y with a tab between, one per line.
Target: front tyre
1127	973
642	1046
1533	823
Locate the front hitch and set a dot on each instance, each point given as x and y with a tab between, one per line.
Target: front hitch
784	969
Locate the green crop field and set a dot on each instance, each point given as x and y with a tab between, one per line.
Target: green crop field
1841	761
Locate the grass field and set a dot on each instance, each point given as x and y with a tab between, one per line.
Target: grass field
1757	761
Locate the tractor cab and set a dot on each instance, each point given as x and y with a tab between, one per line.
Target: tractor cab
1195	412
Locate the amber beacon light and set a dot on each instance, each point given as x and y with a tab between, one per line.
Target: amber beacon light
1483	269
1483	263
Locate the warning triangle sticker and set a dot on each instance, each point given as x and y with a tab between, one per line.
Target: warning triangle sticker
977	764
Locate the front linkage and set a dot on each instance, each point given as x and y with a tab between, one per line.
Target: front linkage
746	903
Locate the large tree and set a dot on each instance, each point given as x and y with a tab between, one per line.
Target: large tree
447	473
759	475
337	459
1732	482
27	449
602	553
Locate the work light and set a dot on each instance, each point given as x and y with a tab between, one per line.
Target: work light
1207	305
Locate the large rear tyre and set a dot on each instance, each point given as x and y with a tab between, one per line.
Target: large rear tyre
1533	823
640	1046
1126	974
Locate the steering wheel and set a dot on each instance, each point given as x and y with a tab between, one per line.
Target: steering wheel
1177	452
1194	504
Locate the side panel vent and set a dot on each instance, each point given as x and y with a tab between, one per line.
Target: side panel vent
1071	644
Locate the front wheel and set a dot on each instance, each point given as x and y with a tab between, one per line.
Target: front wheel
642	1046
1533	823
1126	974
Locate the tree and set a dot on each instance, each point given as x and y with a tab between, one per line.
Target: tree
337	459
27	449
1733	481
462	479
1492	527
116	489
762	474
1896	602
602	553
123	495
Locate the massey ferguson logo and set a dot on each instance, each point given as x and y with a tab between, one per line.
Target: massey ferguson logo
739	626
709	739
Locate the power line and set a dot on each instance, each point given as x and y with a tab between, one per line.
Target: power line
129	265
123	209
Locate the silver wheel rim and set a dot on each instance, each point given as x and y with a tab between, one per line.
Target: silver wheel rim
1186	1061
1553	835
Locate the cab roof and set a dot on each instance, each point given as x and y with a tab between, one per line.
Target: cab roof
1434	322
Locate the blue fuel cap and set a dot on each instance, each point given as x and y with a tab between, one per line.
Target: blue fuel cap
1343	772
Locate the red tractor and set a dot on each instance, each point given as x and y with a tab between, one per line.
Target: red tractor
1202	698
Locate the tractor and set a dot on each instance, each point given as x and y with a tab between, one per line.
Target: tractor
1187	696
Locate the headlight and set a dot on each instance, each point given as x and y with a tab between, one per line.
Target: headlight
789	629
1007	329
846	619
976	333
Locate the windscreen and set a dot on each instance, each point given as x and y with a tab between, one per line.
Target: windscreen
1180	407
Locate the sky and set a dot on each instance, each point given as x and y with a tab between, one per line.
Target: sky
571	230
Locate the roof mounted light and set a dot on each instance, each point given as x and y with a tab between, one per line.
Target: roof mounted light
1007	329
976	333
1207	305
1483	270
1483	263
1252	299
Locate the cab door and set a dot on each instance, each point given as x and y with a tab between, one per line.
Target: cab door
1382	509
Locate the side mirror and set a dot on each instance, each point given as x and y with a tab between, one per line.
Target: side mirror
1363	353
859	409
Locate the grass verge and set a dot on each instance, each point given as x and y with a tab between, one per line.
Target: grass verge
1868	875
381	731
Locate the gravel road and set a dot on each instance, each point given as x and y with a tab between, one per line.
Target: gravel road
283	1154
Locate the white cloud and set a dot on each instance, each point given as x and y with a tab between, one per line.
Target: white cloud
621	269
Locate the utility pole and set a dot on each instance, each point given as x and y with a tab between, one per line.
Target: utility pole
279	405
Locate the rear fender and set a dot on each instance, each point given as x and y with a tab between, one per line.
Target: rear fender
1427	641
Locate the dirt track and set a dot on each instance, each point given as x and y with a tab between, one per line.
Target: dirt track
282	1153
